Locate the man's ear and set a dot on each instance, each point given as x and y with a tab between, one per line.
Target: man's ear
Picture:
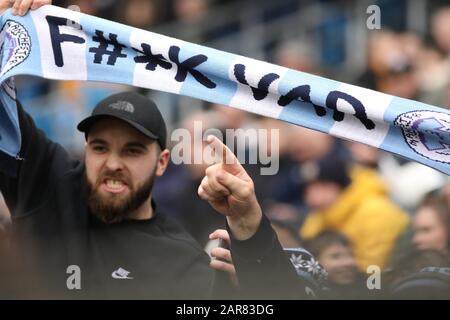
163	161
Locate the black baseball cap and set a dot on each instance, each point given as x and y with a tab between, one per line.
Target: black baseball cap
135	109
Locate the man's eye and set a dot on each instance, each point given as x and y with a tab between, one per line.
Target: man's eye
99	149
133	151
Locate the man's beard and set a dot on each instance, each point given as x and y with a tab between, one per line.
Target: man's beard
116	208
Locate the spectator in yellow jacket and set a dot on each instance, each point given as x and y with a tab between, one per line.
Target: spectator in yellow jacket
356	203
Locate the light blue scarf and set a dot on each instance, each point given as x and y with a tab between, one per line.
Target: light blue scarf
56	43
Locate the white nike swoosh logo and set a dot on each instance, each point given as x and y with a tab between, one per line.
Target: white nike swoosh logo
115	275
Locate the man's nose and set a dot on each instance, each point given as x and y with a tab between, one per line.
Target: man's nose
416	240
350	261
113	162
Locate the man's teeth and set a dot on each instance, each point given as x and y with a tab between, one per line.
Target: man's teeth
114	183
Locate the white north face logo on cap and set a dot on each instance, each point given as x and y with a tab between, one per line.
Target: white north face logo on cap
122	105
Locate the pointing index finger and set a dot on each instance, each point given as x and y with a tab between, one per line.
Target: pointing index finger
223	154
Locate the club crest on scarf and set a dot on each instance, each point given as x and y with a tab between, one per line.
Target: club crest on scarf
427	133
16	45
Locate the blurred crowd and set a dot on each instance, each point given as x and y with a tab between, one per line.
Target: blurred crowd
352	206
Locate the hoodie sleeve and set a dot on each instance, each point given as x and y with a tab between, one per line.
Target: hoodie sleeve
263	269
36	172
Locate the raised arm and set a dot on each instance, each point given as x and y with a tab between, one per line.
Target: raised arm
262	268
40	164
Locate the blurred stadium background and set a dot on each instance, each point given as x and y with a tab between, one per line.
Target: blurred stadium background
407	57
